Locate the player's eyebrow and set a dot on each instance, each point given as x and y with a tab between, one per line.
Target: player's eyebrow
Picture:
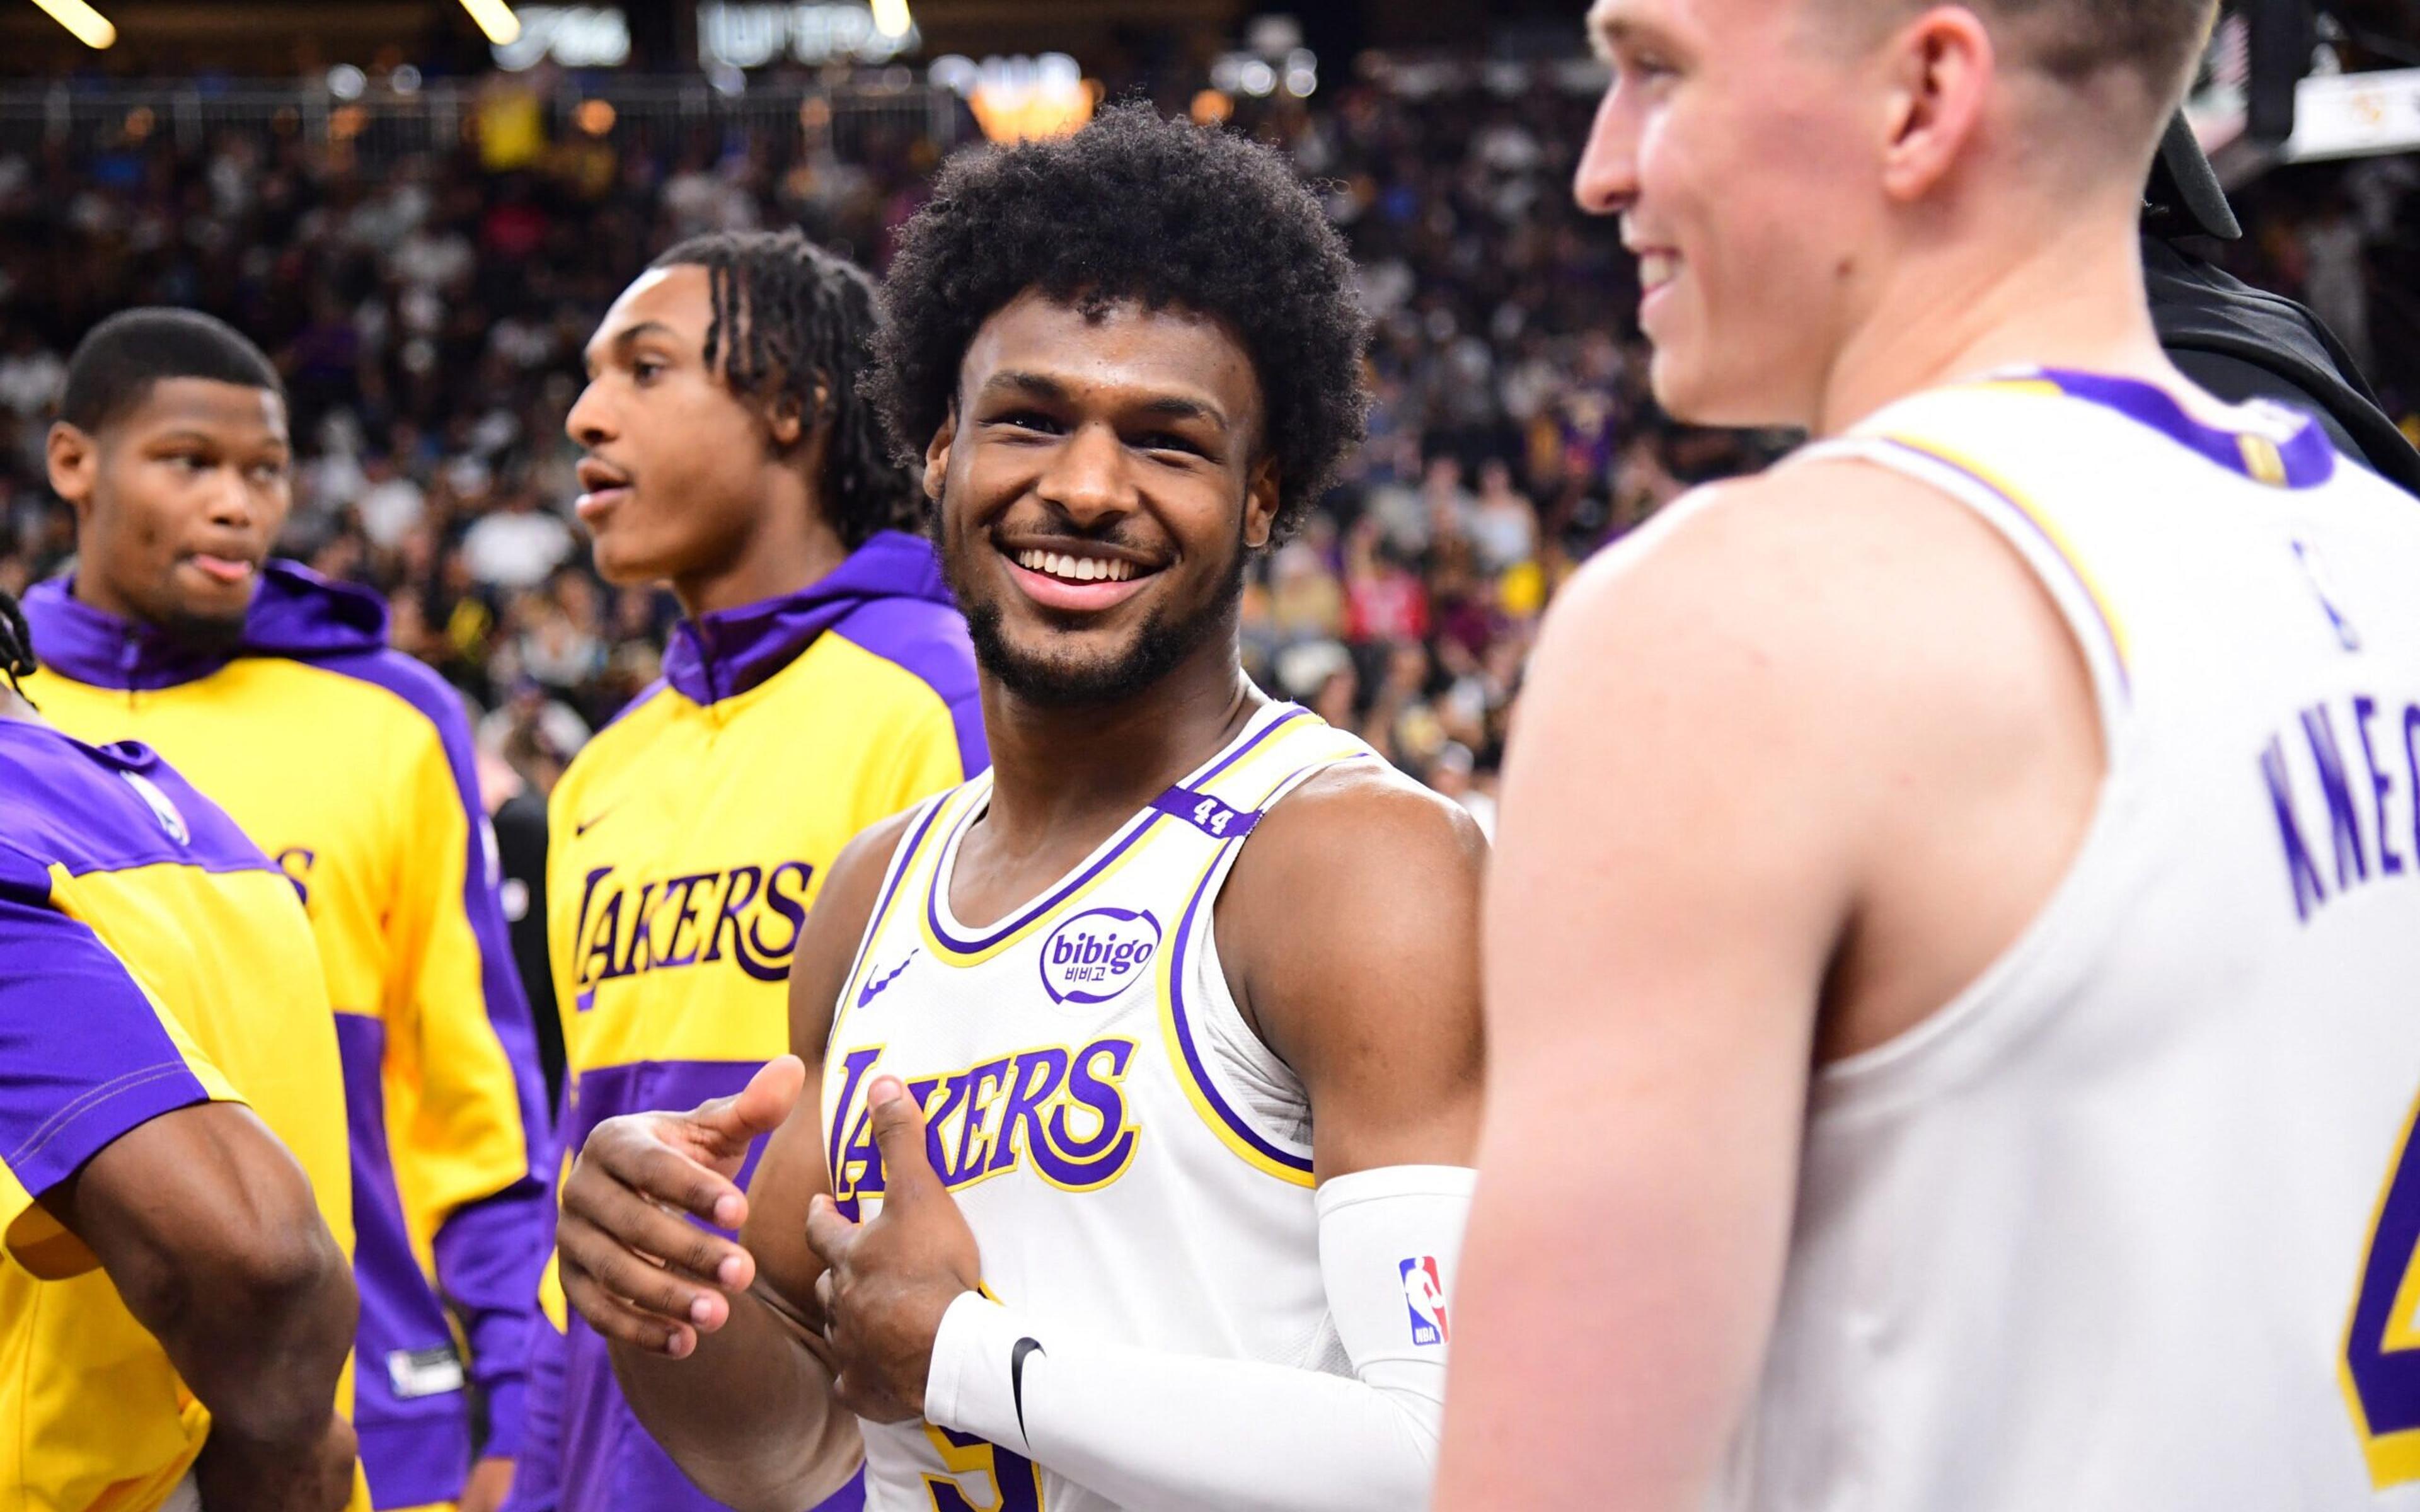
188	436
1176	407
1051	391
624	339
1610	31
1031	385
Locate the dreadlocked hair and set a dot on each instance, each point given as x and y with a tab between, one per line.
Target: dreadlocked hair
16	643
790	318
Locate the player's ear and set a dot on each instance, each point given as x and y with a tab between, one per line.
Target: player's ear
73	454
787	421
936	454
1938	68
1260	498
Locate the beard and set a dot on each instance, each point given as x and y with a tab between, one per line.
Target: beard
210	634
1162	642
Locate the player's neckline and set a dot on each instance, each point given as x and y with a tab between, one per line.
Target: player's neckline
2273	445
952	935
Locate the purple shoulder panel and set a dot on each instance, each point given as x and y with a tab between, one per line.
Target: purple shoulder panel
84	1058
929	642
109	808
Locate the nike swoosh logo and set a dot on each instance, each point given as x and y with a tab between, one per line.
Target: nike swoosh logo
872	989
1016	1381
584	825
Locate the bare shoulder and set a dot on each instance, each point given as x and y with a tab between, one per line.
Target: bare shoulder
1832	590
1358	851
1350	931
1828	710
1361	816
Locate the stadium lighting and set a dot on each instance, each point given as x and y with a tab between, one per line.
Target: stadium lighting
496	19
890	18
89	26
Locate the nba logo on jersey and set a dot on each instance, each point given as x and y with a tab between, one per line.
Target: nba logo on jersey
1424	1295
162	809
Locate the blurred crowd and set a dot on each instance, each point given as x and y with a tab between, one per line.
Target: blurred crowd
429	316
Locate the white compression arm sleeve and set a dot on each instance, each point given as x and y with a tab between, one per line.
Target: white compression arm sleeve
1177	1433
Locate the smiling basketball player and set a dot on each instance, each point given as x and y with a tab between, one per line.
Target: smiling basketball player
1966	872
1130	1170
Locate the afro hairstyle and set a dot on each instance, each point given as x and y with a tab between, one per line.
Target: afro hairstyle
1135	208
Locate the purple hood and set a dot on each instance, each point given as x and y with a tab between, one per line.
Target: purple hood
295	613
724	654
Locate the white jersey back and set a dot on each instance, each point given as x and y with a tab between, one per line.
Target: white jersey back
2131	1224
1134	1163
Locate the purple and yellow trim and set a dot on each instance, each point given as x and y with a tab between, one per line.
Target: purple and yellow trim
1176	1024
2379	1366
956	951
730	652
59	808
1233	1129
415	1450
1981	477
2301	459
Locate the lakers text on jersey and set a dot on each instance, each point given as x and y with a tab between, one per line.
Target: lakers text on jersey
1130	1157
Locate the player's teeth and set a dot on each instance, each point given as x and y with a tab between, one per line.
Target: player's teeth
1075	569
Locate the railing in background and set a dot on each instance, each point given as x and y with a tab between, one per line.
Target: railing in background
379	124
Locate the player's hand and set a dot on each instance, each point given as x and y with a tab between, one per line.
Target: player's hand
491	1482
887	1282
634	1268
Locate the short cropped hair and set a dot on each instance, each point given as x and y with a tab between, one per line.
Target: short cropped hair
788	317
1133	206
115	366
2073	41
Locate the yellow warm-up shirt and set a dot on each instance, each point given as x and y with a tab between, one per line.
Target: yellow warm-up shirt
151	957
351	765
686	844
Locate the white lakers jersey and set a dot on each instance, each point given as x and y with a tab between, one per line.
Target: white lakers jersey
2130	1223
1133	1163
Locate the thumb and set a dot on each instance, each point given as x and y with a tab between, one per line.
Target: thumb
908	1174
829	1234
760	1108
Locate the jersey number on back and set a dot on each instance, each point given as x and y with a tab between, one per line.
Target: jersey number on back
1016	1485
2382	1362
